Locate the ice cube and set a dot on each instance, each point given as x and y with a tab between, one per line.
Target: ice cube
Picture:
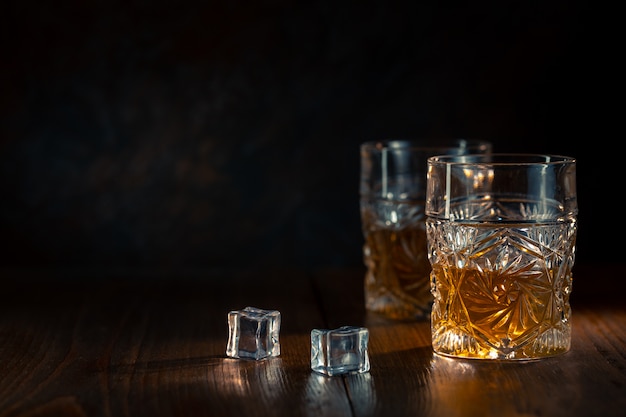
253	333
340	351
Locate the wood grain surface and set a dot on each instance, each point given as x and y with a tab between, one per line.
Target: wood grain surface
153	344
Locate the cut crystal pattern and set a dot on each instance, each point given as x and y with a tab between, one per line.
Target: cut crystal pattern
501	292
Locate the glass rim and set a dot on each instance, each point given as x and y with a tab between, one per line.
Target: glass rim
502	159
425	144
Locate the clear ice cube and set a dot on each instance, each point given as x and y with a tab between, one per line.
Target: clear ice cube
340	351
253	333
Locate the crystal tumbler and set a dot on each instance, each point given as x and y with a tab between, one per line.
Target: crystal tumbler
392	197
501	232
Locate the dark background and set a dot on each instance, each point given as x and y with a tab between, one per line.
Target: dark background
184	135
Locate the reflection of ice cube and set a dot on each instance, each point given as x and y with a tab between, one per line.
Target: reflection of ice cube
340	351
253	333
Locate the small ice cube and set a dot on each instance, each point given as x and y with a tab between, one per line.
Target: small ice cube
340	351
253	333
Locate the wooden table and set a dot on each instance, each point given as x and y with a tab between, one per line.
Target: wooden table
137	343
